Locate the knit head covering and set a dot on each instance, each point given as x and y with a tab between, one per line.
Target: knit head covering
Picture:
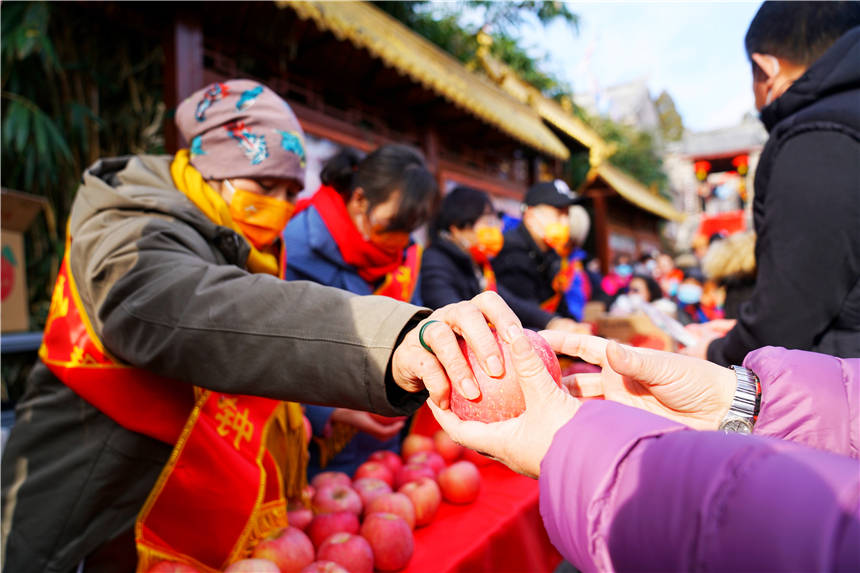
241	128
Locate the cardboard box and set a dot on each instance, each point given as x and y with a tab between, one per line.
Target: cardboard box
635	329
17	213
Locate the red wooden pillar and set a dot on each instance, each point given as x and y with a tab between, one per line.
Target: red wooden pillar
183	70
431	155
601	229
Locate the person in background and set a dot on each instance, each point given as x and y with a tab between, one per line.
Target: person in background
668	275
610	469
646	265
691	307
354	234
645	289
614	283
805	63
579	291
529	266
465	236
731	263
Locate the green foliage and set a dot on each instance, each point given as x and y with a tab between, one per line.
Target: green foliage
73	88
636	153
671	124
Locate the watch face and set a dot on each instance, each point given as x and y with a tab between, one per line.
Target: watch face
737	426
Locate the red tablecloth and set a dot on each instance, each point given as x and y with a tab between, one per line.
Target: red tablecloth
500	532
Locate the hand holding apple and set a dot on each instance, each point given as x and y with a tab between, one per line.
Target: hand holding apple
520	442
414	368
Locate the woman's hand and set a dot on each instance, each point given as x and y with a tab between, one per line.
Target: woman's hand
414	368
706	333
694	392
521	442
364	422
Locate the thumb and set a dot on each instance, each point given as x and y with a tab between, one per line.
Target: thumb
645	368
535	380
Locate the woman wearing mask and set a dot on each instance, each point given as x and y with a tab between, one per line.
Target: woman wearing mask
465	236
354	234
618	277
691	307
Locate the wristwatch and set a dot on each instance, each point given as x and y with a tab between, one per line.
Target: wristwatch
743	412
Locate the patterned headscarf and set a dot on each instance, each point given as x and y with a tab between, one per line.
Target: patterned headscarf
241	128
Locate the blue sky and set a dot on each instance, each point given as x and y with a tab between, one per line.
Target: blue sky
692	50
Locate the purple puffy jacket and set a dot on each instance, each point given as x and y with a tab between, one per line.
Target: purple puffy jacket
623	489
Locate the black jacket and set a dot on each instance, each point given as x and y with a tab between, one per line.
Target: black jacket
447	274
807	217
525	274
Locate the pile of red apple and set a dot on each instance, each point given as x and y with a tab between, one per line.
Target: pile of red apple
365	522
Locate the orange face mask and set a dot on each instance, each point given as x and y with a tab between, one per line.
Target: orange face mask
260	218
490	242
390	241
556	236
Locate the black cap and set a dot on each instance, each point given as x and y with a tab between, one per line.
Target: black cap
554	193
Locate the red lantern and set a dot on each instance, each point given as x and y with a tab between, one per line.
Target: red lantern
702	169
741	163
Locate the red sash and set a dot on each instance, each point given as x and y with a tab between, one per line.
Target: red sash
220	471
400	283
489	278
560	283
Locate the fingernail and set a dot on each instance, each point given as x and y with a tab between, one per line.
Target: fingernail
513	332
521	346
495	367
470	389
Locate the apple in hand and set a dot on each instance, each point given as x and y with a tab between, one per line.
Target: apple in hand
352	552
414	443
396	503
391	540
256	566
391	460
333	497
426	498
387	420
501	398
460	482
327	524
289	549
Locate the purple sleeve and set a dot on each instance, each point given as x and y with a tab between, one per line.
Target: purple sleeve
621	488
808	398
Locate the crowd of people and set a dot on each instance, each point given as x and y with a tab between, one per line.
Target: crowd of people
201	313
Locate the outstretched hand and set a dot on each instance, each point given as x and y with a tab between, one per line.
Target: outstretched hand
694	392
521	442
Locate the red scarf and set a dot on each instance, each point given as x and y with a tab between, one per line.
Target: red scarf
371	262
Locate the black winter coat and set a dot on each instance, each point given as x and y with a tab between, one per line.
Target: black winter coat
807	217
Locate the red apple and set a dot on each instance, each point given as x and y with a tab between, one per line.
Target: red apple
375	470
390	459
391	540
328	478
300	518
369	489
501	398
387	420
324	567
327	524
414	443
460	482
173	567
333	497
412	472
350	551
447	448
255	566
426	498
396	503
289	549
431	459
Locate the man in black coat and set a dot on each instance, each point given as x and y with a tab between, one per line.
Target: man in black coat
529	262
806	77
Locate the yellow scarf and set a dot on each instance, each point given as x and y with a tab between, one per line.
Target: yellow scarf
290	453
188	180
